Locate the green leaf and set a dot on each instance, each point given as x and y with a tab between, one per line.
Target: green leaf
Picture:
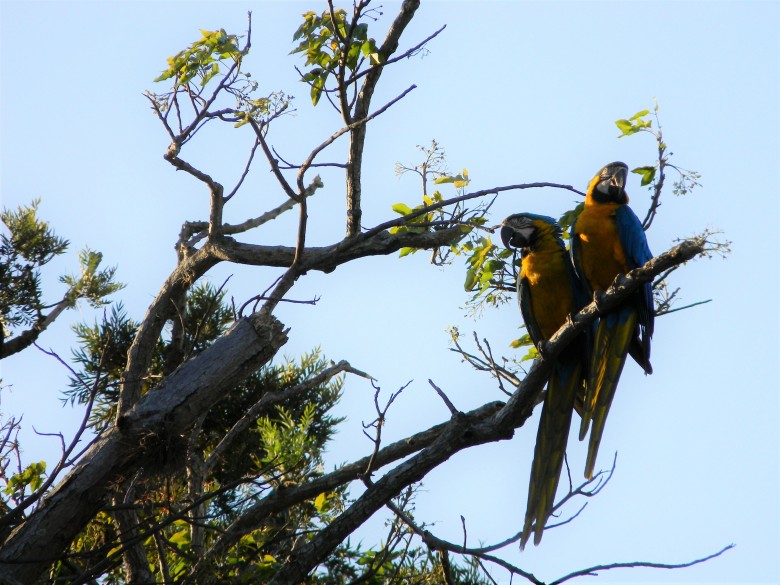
522	341
459	181
568	218
626	127
647	173
638	115
531	354
402	209
471	278
316	89
181	538
32	476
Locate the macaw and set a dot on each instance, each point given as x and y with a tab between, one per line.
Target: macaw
607	240
549	292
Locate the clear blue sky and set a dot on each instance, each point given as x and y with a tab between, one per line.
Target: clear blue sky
515	92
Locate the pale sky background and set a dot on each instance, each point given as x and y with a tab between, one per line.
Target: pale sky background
515	92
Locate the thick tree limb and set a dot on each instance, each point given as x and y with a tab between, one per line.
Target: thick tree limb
162	414
328	258
160	311
461	432
362	105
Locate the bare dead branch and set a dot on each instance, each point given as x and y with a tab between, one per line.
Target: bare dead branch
119	452
453	411
260	220
351	126
593	571
245	173
272	161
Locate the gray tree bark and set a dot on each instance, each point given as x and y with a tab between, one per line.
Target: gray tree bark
167	411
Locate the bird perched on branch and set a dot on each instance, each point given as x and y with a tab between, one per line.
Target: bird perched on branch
607	240
549	292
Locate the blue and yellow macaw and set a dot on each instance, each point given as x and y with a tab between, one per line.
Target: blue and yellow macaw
549	292
607	240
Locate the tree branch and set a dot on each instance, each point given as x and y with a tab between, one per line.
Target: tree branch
167	411
593	571
28	337
268	400
361	109
462	432
284	498
160	311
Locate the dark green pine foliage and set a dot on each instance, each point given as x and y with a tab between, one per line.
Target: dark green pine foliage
27	245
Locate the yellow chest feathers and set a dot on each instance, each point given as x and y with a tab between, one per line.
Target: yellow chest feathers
547	278
601	256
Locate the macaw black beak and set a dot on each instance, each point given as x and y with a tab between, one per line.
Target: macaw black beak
507	233
612	183
618	181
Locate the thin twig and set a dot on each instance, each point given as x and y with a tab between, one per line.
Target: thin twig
593	571
453	411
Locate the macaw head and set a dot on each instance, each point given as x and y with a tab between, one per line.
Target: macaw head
523	230
609	185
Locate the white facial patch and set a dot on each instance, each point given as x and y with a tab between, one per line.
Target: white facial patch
526	232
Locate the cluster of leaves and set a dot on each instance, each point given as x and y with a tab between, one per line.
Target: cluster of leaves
202	59
330	42
29	245
651	174
25	249
431	214
484	259
215	56
30	478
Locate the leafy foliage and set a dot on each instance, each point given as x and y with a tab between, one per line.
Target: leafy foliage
330	41
653	176
31	477
202	59
29	245
25	249
92	285
215	56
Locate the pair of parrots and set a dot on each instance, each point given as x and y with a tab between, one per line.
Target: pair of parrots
607	239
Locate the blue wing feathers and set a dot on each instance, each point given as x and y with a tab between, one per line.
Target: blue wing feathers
637	253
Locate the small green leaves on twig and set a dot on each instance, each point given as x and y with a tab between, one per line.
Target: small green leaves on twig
31	477
460	180
647	173
330	41
421	219
202	59
634	124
